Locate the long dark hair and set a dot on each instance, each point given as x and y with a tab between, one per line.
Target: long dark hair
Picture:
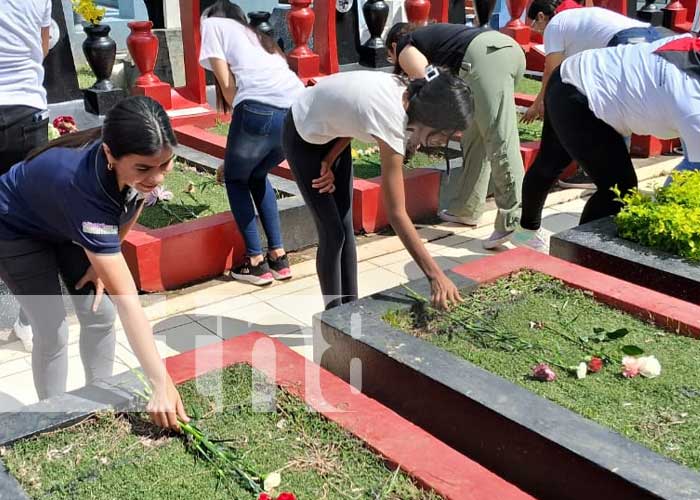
443	103
136	125
228	10
546	7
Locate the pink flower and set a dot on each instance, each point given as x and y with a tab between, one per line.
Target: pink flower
630	366
158	194
543	372
595	364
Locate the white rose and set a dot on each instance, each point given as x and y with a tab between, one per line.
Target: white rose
581	370
649	367
272	481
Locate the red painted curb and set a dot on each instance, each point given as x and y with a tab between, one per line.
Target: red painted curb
666	312
208	246
431	462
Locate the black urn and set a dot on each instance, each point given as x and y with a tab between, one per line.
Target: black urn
100	51
373	51
261	20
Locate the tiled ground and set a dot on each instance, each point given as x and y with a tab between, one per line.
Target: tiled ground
283	310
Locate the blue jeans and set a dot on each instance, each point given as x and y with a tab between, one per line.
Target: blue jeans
253	148
685	164
634	36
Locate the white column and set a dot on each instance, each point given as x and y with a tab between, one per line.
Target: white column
696	22
171	12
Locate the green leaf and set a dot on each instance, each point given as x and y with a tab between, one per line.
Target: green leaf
598	329
617	334
632	350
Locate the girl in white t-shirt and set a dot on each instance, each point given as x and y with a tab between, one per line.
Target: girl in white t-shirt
373	107
596	98
567	29
253	79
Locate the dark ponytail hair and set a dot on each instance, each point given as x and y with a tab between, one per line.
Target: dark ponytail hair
136	125
228	10
547	7
443	103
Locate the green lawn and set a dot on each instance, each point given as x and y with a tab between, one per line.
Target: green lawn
208	198
528	86
86	78
125	458
509	326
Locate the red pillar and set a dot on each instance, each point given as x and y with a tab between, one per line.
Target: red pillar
515	27
417	11
301	24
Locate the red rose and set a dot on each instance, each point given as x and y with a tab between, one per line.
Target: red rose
595	365
286	496
264	496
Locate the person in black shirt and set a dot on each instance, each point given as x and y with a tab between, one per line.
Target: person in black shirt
491	63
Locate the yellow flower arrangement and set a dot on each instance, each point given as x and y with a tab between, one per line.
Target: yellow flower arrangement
89	11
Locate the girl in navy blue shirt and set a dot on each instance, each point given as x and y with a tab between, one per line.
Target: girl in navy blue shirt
64	212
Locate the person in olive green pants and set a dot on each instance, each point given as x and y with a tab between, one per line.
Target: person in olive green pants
492	66
491	63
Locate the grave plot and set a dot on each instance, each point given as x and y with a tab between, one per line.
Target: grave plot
653	242
469	377
282	425
191	221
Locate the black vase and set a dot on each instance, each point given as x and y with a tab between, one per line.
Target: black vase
100	51
376	13
261	20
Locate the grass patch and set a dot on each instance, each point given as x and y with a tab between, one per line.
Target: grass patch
195	194
528	86
530	131
86	78
123	457
533	314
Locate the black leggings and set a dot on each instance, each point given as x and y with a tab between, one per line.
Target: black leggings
336	258
572	131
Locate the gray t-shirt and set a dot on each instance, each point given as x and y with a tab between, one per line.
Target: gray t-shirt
361	104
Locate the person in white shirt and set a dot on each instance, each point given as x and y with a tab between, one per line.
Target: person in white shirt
253	79
574	30
373	107
24	121
594	100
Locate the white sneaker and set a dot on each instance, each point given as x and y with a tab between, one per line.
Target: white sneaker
24	334
496	239
537	240
465	221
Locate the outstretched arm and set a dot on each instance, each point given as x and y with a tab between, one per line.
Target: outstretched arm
551	62
443	291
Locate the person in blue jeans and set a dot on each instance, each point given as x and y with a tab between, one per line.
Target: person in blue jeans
253	79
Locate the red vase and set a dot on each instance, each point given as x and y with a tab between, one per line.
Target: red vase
417	11
301	23
516	9
143	47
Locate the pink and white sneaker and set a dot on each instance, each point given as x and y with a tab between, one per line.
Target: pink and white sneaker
257	275
280	267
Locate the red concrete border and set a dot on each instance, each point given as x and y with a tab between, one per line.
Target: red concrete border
665	311
157	257
429	461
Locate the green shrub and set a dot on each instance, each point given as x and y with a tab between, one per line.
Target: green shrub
668	220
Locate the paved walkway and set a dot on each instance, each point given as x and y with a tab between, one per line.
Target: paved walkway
224	309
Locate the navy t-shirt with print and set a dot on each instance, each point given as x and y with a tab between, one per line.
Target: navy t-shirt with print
66	195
